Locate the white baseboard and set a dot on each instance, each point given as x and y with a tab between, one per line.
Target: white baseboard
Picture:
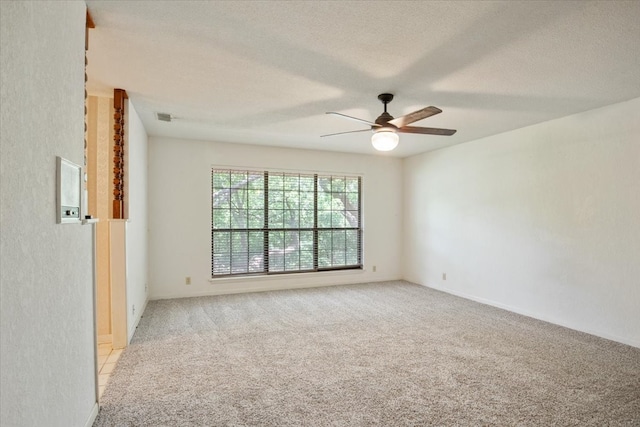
136	322
274	285
537	316
93	415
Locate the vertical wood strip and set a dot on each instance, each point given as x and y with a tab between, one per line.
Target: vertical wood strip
118	264
88	25
119	98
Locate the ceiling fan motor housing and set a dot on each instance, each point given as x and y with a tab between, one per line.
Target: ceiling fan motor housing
383	119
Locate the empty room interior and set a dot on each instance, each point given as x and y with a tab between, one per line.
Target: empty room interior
336	213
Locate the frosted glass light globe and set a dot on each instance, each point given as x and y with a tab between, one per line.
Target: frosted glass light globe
384	140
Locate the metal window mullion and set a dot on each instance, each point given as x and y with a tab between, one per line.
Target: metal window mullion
315	222
344	261
299	216
331	210
230	229
344	215
246	220
359	232
212	241
265	232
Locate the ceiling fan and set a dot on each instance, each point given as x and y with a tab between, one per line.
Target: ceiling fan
385	128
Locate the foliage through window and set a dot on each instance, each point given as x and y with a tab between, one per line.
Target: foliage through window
275	222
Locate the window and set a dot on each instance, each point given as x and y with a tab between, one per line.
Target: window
275	222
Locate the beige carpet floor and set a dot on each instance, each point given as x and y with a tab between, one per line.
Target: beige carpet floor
387	354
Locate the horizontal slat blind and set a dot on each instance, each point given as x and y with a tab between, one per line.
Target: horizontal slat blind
275	222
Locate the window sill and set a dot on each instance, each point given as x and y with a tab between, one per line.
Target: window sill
292	276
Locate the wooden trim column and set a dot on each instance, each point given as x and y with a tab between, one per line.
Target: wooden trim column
88	25
119	102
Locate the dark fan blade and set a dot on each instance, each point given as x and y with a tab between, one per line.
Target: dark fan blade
351	131
354	118
427	131
415	116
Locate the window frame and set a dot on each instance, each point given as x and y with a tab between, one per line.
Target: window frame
267	266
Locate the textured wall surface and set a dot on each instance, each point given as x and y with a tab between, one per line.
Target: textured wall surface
180	214
542	220
46	309
137	249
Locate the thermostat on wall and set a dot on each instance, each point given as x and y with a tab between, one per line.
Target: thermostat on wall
68	191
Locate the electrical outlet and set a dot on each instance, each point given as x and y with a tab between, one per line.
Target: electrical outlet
187	280
374	269
444	276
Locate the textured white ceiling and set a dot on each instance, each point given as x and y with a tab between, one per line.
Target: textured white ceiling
266	72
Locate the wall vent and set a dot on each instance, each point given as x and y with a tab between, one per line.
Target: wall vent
164	117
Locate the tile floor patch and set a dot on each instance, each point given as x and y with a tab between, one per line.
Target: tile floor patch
107	359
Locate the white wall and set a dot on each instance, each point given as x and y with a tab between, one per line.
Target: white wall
180	214
136	251
46	304
543	220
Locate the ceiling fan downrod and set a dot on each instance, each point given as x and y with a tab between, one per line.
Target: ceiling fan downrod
385	117
385	98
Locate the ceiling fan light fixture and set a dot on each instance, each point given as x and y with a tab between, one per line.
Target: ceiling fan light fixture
385	140
386	128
